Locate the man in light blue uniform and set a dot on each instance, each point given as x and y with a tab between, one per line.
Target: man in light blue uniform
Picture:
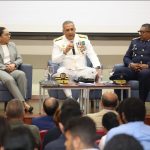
133	114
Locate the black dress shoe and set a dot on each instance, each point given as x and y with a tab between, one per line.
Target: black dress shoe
30	109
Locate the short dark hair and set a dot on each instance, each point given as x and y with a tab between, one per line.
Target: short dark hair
4	129
14	109
19	138
84	127
110	120
67	22
123	142
69	109
109	103
146	25
134	109
50	109
2	30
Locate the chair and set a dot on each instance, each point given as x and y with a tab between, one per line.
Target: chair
42	135
59	94
99	133
5	95
134	84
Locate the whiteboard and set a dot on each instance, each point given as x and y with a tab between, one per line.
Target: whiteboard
88	16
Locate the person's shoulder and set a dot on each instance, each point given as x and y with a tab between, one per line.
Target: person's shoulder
93	115
58	143
136	39
82	36
12	44
32	127
58	39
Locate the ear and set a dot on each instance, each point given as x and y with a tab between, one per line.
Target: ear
1	148
124	118
76	143
101	104
61	127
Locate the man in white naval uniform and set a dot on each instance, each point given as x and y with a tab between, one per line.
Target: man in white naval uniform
70	51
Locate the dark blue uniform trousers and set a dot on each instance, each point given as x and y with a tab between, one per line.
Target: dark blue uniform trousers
142	76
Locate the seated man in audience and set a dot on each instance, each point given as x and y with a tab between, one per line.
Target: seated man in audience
123	142
15	114
14	79
137	61
70	51
133	115
109	121
23	138
50	106
108	103
80	134
55	132
4	129
69	110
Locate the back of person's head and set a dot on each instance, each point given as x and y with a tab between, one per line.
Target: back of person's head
123	142
19	138
133	109
109	100
110	120
50	106
4	129
84	128
14	109
69	109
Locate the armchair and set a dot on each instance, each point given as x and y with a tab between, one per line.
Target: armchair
5	95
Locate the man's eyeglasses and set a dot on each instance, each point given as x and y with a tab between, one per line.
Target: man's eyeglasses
7	34
142	31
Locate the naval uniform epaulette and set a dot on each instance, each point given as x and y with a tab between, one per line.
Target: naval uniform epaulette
83	36
58	39
136	38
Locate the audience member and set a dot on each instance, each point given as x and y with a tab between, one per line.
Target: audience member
109	121
20	138
133	114
46	122
123	142
15	115
69	109
53	133
4	129
80	134
108	103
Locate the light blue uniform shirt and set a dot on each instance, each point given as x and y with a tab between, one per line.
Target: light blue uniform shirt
137	129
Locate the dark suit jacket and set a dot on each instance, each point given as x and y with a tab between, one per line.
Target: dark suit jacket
51	135
44	122
138	52
57	144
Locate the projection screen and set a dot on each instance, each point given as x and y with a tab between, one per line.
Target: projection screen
89	16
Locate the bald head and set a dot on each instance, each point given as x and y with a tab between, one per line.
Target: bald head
50	106
109	99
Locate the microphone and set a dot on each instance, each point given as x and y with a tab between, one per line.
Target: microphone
73	50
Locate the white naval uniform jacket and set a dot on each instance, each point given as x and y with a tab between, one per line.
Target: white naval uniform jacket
77	61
